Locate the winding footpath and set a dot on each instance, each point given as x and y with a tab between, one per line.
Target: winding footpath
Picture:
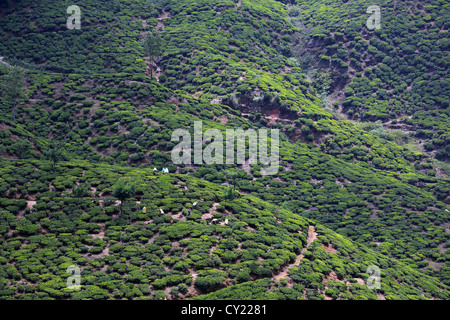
3	62
312	235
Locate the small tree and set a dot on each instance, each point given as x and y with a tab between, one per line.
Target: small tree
117	7
22	148
11	87
152	46
123	190
379	130
79	191
233	177
54	154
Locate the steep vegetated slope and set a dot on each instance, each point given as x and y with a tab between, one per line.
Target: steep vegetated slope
230	64
397	74
183	251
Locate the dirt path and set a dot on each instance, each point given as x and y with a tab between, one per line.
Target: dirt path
312	235
160	25
246	165
192	290
3	62
440	173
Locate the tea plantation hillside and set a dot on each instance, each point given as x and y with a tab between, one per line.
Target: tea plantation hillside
354	197
175	237
363	173
397	74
